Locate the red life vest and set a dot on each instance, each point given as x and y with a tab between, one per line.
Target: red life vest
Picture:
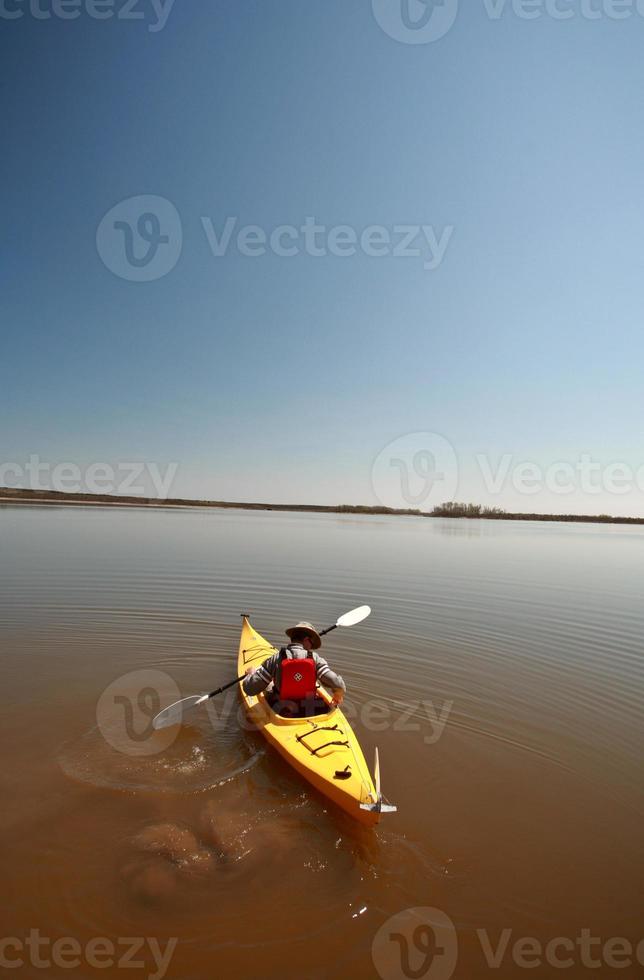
298	679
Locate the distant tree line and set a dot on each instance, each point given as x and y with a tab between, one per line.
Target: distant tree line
449	509
467	510
497	514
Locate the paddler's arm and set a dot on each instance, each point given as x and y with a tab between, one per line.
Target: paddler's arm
257	680
330	679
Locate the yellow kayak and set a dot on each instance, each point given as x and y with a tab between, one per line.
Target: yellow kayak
323	749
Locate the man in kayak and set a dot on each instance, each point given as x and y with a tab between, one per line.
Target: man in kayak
293	672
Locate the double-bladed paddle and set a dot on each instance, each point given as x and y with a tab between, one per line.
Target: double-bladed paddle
173	714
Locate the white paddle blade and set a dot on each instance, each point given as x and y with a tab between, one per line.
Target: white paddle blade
376	774
355	616
173	714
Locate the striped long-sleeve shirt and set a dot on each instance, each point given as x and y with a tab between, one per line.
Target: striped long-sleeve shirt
270	670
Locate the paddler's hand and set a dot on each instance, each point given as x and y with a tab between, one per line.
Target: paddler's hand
337	698
250	670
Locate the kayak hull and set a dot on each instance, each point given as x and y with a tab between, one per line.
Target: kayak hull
323	749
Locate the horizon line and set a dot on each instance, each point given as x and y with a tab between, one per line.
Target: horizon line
457	511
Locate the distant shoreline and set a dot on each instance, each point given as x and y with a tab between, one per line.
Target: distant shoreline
34	497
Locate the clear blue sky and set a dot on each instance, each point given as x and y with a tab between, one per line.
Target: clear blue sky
274	378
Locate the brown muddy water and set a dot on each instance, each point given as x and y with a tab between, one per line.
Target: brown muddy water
501	675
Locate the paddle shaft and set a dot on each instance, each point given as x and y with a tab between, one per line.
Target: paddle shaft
324	632
226	686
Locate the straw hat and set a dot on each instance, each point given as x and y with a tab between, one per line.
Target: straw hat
310	631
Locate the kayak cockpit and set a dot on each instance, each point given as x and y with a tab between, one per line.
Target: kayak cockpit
314	707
